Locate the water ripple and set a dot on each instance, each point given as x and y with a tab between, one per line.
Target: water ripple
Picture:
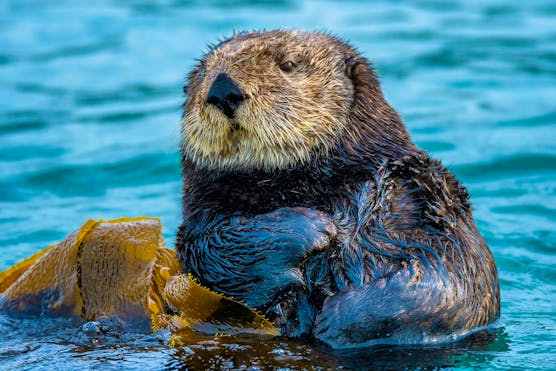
89	128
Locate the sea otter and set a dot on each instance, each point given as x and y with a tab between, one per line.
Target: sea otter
305	198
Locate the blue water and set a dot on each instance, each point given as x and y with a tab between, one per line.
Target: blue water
89	128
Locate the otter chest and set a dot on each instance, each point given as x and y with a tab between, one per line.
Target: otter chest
265	196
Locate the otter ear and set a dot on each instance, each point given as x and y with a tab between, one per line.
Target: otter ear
359	71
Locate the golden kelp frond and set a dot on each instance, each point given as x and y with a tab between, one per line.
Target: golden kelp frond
8	277
121	268
51	281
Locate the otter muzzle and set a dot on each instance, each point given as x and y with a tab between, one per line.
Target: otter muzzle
225	95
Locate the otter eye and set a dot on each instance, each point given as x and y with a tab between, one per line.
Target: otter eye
287	66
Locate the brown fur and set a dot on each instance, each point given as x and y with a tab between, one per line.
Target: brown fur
321	137
279	123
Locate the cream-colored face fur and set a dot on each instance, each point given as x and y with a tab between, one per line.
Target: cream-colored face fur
286	114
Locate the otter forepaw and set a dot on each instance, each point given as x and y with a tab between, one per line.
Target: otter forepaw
309	230
274	246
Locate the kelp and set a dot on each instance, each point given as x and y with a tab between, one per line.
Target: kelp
121	268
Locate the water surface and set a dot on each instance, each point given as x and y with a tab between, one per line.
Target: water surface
89	125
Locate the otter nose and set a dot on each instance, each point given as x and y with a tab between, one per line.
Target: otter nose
225	95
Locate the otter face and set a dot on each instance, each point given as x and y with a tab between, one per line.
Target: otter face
267	100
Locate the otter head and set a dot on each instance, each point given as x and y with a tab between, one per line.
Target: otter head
272	100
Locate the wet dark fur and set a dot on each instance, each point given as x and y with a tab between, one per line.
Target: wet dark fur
398	258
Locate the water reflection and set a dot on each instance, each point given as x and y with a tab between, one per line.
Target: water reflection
244	352
108	342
